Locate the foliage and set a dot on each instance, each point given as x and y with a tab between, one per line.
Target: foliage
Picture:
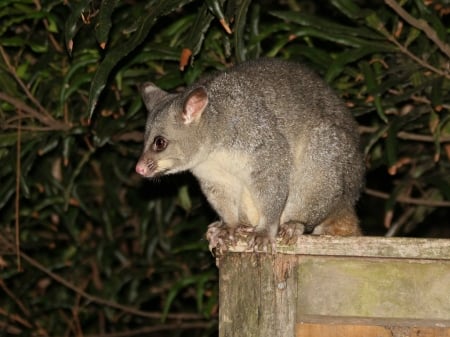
101	250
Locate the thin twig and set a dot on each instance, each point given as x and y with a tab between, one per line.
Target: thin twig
134	136
34	128
394	229
21	84
55	44
418	60
407	135
29	112
18	104
75	312
12	330
408	200
421	25
17	301
406	51
17	201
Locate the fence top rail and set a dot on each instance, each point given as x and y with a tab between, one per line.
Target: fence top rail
363	246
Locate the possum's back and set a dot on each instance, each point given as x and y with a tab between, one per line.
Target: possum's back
297	96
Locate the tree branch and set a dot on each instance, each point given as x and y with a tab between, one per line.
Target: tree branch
380	27
17	200
406	135
419	24
21	84
407	200
418	60
30	113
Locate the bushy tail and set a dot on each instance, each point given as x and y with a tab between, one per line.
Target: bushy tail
343	222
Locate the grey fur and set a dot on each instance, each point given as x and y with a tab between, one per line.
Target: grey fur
273	145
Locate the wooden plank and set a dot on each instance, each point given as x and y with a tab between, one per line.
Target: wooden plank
257	295
364	246
323	330
342	330
377	321
383	288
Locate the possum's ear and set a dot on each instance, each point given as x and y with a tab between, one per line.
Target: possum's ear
194	105
151	94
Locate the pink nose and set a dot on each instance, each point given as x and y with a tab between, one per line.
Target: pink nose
141	169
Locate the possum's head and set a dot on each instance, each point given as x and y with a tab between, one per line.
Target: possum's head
172	138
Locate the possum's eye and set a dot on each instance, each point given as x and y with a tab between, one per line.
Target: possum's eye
159	143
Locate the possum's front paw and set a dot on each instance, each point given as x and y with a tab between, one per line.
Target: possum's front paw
261	241
290	231
220	236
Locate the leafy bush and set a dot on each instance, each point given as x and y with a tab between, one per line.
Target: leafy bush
103	252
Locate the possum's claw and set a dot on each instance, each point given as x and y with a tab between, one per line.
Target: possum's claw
220	237
261	241
290	231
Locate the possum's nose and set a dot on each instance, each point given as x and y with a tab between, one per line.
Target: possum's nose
141	169
146	167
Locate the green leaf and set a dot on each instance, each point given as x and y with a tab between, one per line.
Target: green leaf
391	144
78	66
337	65
104	22
197	32
203	279
444	126
215	6
199	280
345	40
116	54
349	8
430	17
434	124
324	25
373	88
317	56
437	91
441	184
74	21
181	284
184	199
392	200
375	137
240	29
413	34
17	41
254	49
7	189
374	21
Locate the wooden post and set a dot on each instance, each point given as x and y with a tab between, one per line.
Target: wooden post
337	286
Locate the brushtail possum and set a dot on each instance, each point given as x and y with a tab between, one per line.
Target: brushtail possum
273	147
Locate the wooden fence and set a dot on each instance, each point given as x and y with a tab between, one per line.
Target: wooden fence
337	287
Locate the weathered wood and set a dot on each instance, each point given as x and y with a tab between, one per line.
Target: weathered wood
261	301
393	288
372	321
363	246
352	330
380	282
